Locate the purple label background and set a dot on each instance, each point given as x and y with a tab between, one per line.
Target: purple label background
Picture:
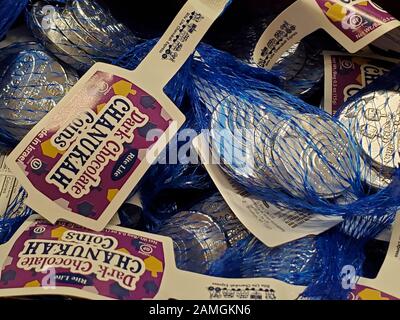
364	16
93	204
367	293
147	287
346	70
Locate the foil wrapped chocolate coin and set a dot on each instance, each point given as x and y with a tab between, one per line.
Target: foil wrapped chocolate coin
33	83
302	67
374	120
292	61
241	135
374	177
80	32
312	155
216	208
46	31
198	240
75	33
100	23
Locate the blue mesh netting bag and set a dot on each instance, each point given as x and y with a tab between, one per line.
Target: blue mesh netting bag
342	260
281	149
172	179
176	180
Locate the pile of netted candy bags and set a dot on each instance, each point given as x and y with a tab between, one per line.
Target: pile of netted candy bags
288	172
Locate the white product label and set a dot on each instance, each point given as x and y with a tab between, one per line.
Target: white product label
354	24
346	75
116	263
9	186
211	288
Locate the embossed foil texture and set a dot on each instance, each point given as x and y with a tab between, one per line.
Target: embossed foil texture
31	84
203	234
373	118
79	33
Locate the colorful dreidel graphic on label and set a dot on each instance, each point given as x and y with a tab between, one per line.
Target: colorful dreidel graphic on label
58	232
154	265
371	294
7	276
123	88
49	150
336	12
32	284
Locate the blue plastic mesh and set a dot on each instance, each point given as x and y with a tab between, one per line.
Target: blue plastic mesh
294	262
176	179
277	147
281	149
14	216
9	12
336	253
318	262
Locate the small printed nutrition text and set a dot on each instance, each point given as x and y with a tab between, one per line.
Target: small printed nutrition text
91	141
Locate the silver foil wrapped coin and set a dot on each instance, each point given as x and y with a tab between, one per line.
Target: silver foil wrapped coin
33	83
99	21
198	240
374	177
228	143
241	134
374	120
79	33
312	155
54	40
292	61
75	33
302	67
216	208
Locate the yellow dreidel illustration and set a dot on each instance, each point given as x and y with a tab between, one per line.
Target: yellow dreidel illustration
58	232
154	266
49	150
123	88
371	294
336	12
